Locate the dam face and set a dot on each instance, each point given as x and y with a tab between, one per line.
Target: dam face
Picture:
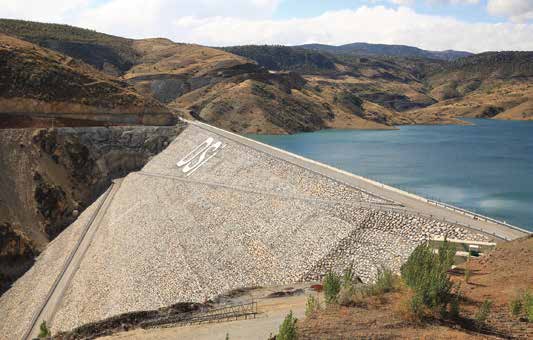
213	212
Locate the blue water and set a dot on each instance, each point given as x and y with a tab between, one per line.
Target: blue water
486	168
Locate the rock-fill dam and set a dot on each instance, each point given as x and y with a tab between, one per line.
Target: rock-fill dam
215	211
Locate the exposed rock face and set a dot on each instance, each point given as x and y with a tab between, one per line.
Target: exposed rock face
17	254
50	175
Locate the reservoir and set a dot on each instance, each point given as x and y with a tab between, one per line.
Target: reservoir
486	167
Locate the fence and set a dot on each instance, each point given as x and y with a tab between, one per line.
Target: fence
228	313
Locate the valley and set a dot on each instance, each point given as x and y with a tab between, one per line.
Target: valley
86	115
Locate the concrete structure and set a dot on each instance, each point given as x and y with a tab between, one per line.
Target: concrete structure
216	211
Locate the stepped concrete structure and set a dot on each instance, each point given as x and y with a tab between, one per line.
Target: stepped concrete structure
216	211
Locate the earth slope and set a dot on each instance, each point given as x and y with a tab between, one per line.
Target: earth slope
35	82
496	85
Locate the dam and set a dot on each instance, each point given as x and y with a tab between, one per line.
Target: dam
216	211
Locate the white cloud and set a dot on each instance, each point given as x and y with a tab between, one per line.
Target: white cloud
455	2
141	18
516	10
234	22
39	10
432	2
403	26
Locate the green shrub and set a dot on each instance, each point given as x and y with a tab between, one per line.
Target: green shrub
484	311
384	281
312	305
455	306
332	286
287	330
416	306
44	331
527	303
515	306
426	273
347	277
468	273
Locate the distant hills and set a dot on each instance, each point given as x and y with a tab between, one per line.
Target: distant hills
280	89
381	50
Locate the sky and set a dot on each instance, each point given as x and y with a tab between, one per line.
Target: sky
469	25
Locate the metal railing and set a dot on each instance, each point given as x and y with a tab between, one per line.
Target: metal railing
228	313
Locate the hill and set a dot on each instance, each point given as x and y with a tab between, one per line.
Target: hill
111	54
280	89
37	83
489	85
382	50
284	58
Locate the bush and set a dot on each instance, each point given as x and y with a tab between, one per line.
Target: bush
44	331
346	296
426	273
455	304
468	273
528	306
484	311
312	305
410	308
384	281
287	330
332	286
515	306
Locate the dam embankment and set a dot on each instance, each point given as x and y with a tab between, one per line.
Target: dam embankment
215	211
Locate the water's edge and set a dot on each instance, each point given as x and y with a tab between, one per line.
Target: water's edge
484	167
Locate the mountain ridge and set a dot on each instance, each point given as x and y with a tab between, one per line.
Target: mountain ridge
368	49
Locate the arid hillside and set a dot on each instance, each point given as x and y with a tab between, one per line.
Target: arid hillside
36	84
488	85
495	302
279	89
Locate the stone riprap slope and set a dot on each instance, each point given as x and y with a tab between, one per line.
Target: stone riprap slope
242	218
18	305
385	240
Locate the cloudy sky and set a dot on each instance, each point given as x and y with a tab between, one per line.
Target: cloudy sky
472	25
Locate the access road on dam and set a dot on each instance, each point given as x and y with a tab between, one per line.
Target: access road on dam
410	202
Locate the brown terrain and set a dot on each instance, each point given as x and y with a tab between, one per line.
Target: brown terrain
62	76
500	276
276	89
36	82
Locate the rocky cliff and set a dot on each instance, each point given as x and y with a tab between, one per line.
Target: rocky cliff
49	176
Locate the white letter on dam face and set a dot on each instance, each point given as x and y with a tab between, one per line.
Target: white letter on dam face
199	155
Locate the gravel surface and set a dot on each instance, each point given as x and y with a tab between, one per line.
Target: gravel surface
18	304
243	219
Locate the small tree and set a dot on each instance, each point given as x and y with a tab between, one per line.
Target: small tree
427	274
528	305
515	306
332	286
44	331
484	312
287	330
312	305
384	281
